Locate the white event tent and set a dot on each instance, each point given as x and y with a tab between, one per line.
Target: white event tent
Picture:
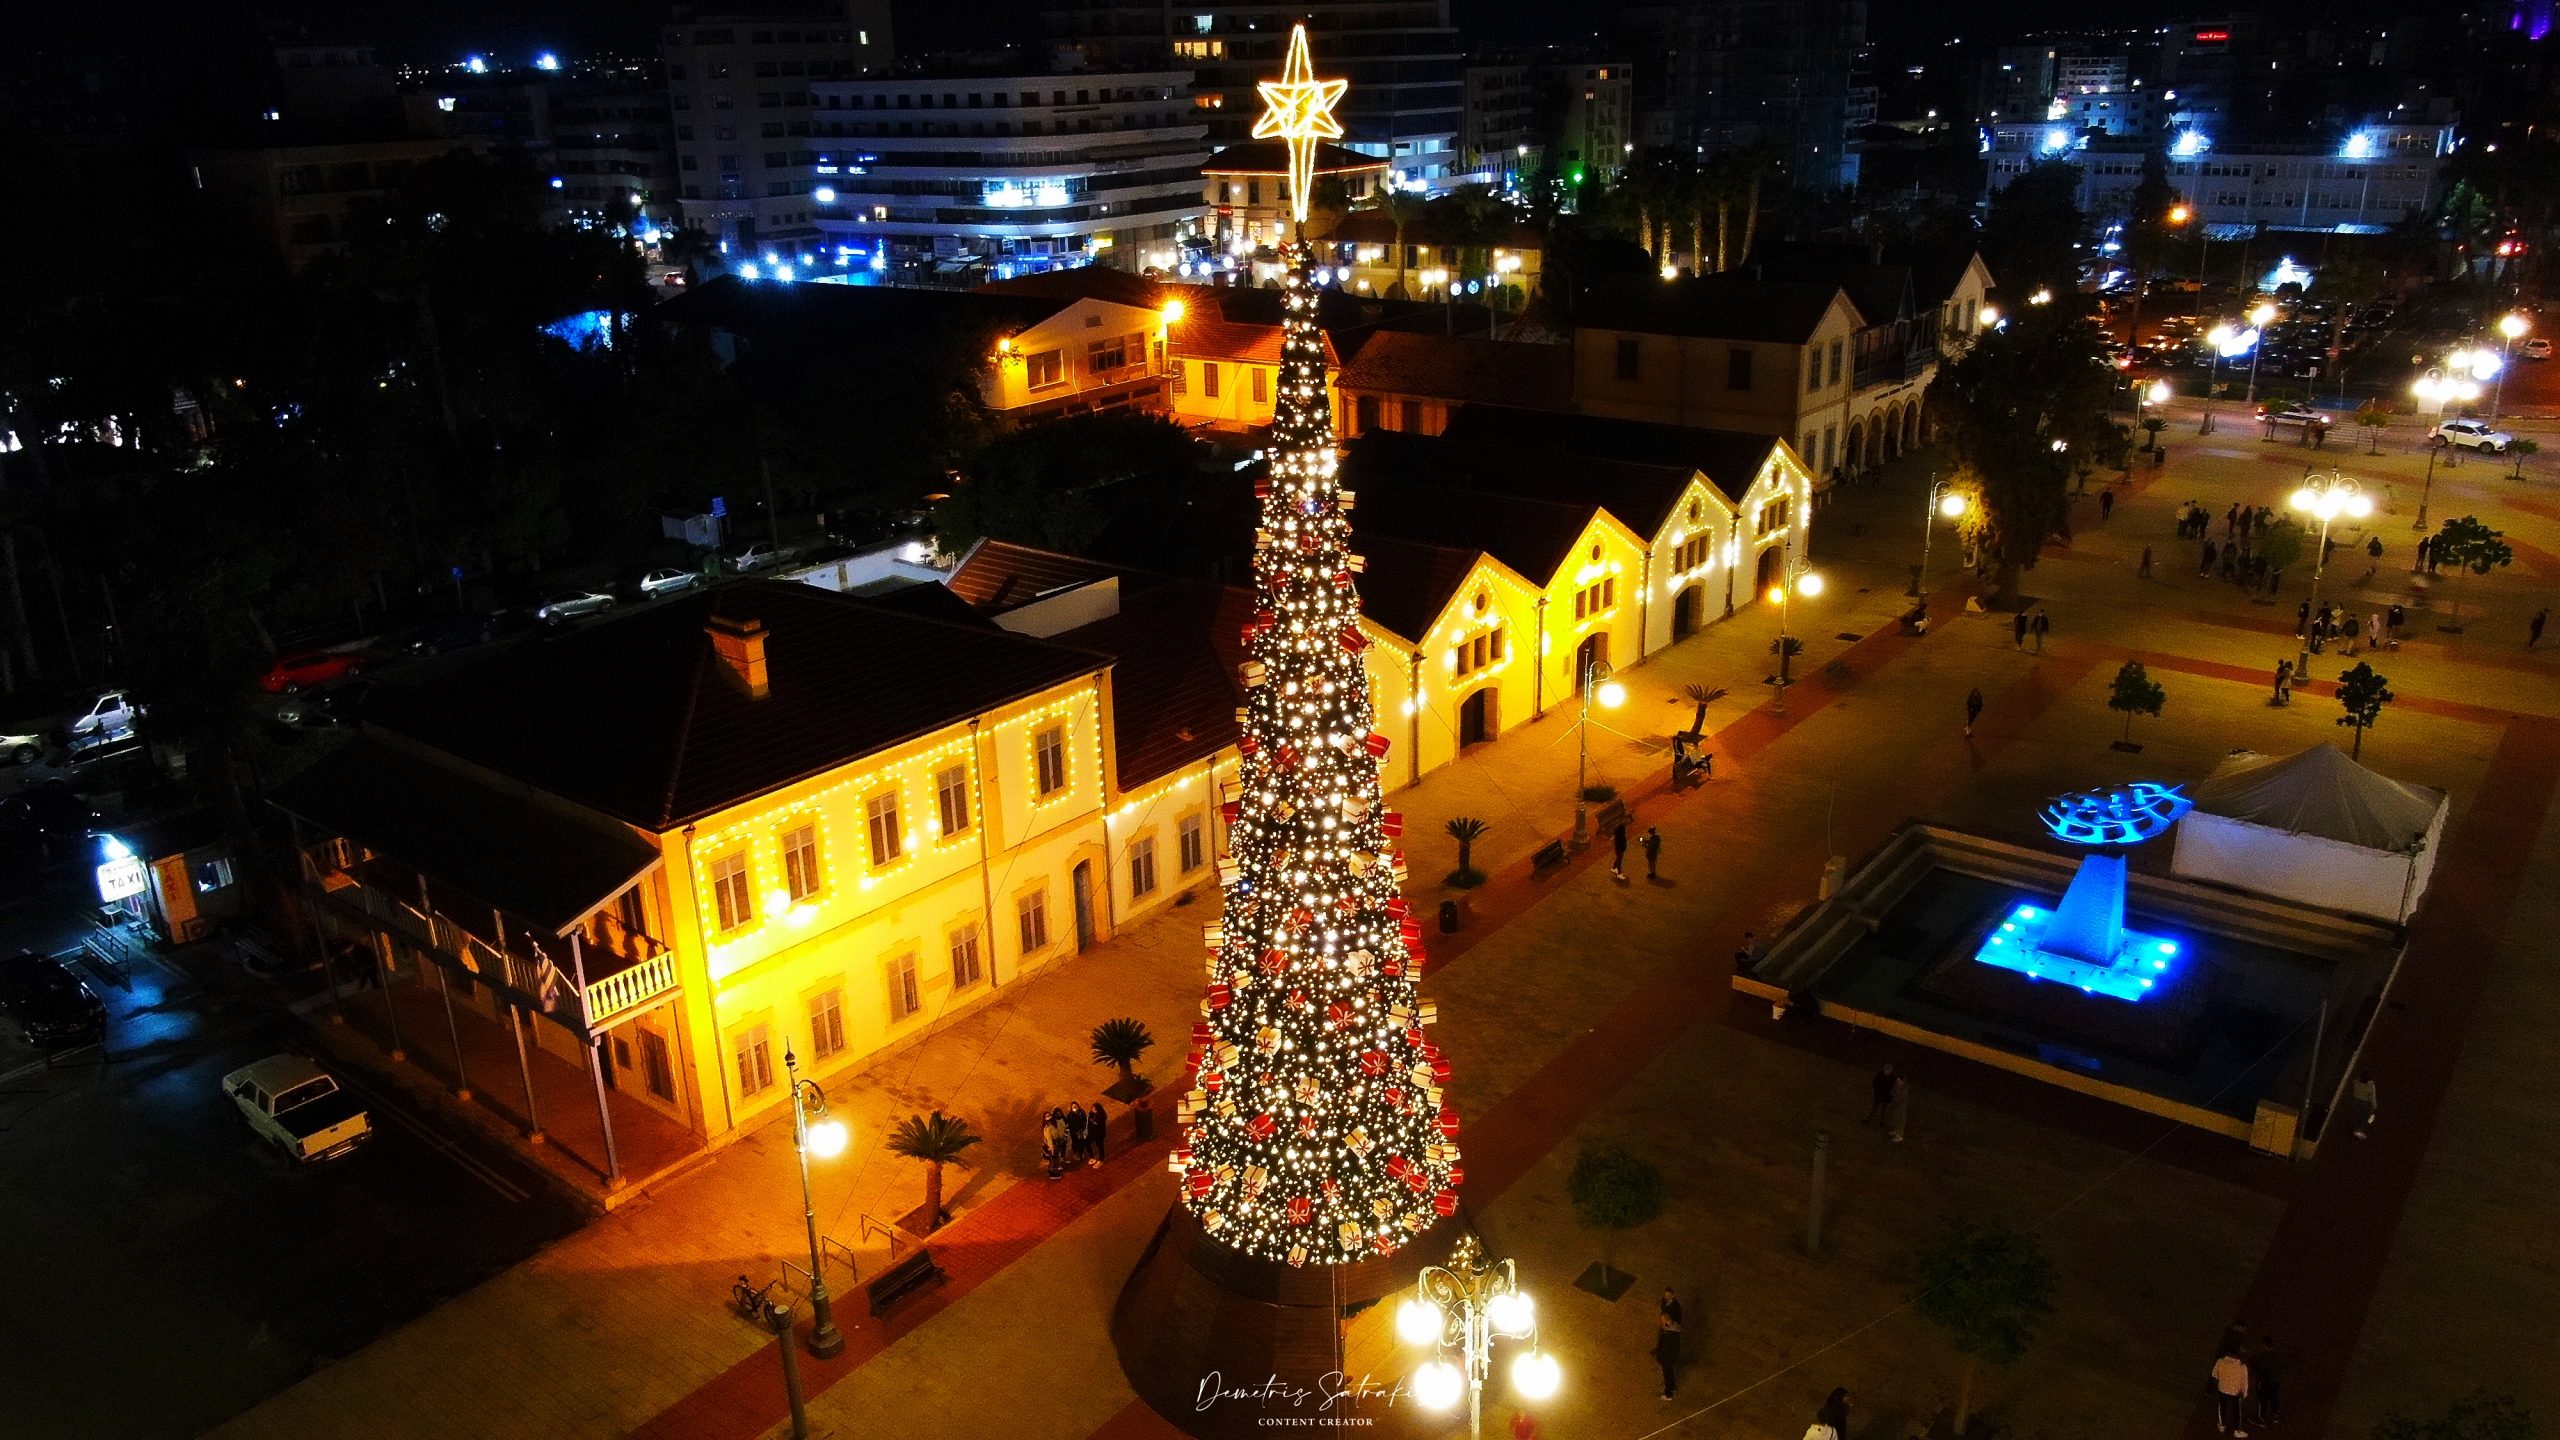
2316	827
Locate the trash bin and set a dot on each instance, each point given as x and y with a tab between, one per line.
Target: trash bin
1146	1120
1448	917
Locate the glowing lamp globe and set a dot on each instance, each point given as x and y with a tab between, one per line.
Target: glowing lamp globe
1535	1375
1951	506
827	1138
1437	1384
1611	694
1419	1322
1512	1313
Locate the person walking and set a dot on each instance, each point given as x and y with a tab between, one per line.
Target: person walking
2018	631
2266	1381
1618	852
1097	1136
2106	505
2043	627
1897	1109
1972	709
1666	1341
2284	682
2367	1103
2533	627
2145	572
2230	1391
1652	846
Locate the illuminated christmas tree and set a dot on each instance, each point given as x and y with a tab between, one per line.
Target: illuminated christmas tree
1315	1129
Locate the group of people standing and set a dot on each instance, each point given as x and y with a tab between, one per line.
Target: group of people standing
1074	1135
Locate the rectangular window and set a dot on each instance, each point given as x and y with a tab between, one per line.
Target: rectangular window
1192	840
1031	914
1142	868
826	1023
1737	368
951	795
729	891
1047	368
882	816
967	968
1049	760
1209	379
755	1061
800	861
1261	386
906	996
1627	360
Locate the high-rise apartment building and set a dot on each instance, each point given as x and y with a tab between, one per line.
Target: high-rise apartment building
1402	58
740	106
1719	75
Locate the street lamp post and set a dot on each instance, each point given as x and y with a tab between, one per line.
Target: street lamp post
825	1135
1458	1309
1942	501
1796	576
2259	318
2511	328
1596	682
2326	497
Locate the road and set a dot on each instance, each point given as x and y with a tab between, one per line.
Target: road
169	1270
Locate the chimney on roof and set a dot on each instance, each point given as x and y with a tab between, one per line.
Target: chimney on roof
740	646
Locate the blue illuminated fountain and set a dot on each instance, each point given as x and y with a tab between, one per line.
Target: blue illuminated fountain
2083	942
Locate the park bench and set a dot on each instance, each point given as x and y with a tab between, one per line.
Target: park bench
904	1278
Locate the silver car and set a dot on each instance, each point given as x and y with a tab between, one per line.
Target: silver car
570	606
667	582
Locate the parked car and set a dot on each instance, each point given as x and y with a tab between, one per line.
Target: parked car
669	581
2474	435
292	674
110	712
49	1005
22	747
569	606
2537	348
457	633
762	555
300	1107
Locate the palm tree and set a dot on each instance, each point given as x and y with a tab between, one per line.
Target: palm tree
1466	830
1402	208
1704	696
937	1140
1121	1042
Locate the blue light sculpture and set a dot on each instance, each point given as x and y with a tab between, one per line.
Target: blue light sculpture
2083	941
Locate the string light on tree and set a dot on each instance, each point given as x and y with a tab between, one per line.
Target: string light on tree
1315	1128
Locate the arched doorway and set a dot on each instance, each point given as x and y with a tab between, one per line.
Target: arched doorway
1771	558
1688	612
1478	719
1592	652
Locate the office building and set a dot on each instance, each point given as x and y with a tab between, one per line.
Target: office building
989	175
1401	57
739	101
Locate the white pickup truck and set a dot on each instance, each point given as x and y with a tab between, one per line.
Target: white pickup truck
299	1106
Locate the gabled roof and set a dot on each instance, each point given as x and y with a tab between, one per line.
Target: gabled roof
1176	648
1495	372
638	719
1731	306
1730	459
1408	584
1533	537
998	575
1643	496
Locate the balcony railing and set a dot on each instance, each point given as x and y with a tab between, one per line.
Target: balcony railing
625	969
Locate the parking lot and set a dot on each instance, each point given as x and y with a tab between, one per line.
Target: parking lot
171	1269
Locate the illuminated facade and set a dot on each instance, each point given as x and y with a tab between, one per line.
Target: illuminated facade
1013	173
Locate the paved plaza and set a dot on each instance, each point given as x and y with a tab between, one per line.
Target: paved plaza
1575	1009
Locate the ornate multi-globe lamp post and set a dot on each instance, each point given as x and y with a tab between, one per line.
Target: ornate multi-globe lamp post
1458	1310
